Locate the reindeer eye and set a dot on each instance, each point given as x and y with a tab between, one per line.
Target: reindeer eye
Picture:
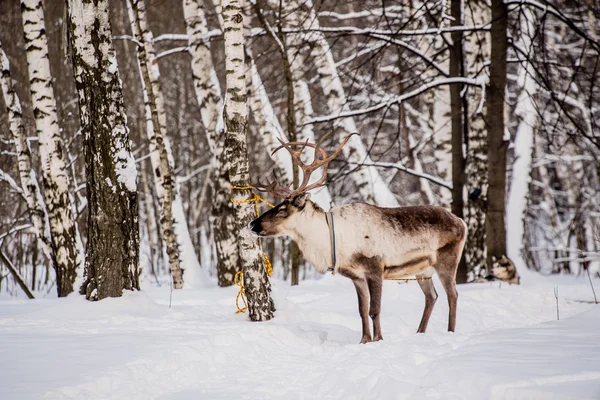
282	211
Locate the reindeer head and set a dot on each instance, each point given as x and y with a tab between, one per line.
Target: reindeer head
282	219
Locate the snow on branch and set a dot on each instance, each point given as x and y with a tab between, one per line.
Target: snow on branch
379	12
165	53
14	229
351	30
128	37
399	99
175	37
410	171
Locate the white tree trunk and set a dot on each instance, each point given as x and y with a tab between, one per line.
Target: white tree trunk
112	262
177	238
64	231
477	49
523	146
268	126
442	138
150	242
369	182
27	175
303	108
235	113
208	94
206	84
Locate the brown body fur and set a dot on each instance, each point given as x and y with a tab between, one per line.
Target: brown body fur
376	244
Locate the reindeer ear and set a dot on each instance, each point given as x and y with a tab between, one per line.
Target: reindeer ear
300	200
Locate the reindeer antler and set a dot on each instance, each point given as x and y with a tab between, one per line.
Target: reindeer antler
321	160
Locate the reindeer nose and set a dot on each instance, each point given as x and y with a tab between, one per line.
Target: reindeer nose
255	226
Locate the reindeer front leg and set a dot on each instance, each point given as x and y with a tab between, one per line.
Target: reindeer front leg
362	290
375	285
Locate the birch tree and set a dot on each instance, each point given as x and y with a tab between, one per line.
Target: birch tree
524	142
28	177
112	262
477	53
235	113
369	182
64	231
269	129
179	245
291	46
208	94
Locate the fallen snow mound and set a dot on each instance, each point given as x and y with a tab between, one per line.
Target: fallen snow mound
508	345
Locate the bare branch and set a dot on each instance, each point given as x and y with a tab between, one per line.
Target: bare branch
399	99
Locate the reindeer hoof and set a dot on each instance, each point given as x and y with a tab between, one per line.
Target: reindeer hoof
365	339
377	338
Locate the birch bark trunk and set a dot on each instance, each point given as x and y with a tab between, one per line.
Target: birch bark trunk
177	238
208	95
303	107
27	174
523	148
235	113
294	44
112	262
431	115
477	53
369	182
63	228
269	128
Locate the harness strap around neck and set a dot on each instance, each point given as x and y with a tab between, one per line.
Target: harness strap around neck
329	216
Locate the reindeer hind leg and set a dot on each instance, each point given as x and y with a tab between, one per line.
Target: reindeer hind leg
446	266
430	299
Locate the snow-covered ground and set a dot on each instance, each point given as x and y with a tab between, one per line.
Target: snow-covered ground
508	345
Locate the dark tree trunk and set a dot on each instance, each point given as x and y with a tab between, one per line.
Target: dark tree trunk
223	214
113	237
458	128
497	145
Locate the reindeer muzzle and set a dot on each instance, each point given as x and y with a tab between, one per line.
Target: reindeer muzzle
255	227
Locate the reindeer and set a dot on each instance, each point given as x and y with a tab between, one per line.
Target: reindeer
366	243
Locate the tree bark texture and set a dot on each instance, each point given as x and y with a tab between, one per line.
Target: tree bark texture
59	203
291	47
173	222
495	228
223	213
28	177
458	108
517	201
477	53
256	282
369	182
112	259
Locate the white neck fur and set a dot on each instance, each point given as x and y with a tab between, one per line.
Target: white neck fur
312	236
